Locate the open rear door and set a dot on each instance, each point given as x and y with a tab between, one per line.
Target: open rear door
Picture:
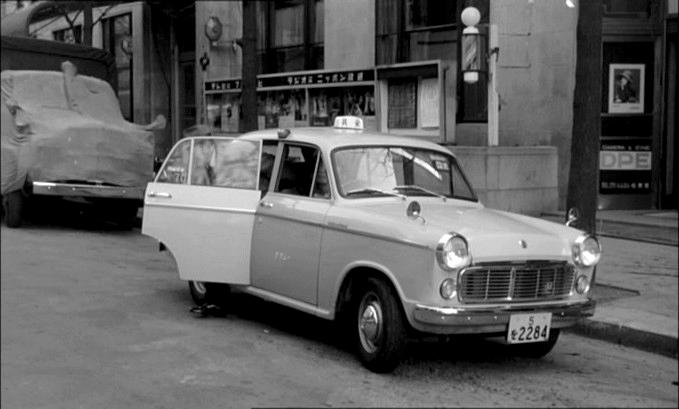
202	207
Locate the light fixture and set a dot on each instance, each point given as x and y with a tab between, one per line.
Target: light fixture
213	29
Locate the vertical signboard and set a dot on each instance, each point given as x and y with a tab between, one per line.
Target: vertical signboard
625	166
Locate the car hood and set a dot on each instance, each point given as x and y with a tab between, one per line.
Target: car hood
491	234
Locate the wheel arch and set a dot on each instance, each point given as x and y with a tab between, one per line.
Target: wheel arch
351	281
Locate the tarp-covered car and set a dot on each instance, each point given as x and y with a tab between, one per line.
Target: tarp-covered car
63	134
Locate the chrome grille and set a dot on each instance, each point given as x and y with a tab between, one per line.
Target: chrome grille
516	282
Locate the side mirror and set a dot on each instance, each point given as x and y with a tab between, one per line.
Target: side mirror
572	216
414	211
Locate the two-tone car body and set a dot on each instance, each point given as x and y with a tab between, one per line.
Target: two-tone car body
382	233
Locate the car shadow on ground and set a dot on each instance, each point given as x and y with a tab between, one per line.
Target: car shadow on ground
55	212
422	350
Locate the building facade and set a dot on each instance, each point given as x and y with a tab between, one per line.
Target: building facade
397	63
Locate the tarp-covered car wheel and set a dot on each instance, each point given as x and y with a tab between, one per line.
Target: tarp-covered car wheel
13	205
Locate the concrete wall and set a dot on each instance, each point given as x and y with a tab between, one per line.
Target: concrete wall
536	76
349	34
517	179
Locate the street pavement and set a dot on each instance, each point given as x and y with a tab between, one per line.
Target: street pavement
636	281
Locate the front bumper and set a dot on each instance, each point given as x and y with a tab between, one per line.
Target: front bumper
493	320
85	190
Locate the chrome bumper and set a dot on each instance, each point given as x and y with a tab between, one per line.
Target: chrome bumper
84	190
493	319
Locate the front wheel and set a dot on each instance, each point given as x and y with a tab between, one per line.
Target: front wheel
380	333
537	349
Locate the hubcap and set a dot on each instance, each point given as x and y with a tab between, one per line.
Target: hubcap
370	322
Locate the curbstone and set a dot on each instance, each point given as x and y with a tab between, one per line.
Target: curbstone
626	336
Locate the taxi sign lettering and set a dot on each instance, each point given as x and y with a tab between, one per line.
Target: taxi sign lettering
348	122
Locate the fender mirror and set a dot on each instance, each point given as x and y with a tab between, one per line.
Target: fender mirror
572	216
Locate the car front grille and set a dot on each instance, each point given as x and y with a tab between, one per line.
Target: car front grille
532	281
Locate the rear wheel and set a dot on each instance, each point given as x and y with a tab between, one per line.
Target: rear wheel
379	330
204	293
537	349
14	205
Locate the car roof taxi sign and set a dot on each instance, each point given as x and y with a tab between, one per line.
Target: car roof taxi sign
348	122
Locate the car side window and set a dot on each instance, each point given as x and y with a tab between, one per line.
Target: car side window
176	167
297	170
202	168
225	162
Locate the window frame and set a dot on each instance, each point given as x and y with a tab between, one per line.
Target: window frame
268	54
281	164
109	44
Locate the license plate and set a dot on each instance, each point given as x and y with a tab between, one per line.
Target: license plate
524	328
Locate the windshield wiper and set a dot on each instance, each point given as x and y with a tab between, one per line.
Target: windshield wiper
421	189
375	190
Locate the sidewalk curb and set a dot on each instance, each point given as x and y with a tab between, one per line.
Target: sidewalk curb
626	336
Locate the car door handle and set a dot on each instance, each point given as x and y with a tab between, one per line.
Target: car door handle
266	205
160	194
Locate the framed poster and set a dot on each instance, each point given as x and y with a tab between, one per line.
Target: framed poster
626	88
429	102
402	100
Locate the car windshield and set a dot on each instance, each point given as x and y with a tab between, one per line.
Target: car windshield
399	171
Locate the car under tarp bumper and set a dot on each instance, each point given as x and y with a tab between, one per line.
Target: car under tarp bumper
87	190
493	320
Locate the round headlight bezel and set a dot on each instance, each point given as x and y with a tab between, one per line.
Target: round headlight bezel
582	254
443	251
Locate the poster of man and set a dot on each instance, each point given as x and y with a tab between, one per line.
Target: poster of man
626	88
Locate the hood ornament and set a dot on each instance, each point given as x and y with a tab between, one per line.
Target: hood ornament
523	244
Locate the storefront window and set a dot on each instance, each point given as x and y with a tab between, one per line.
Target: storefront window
312	98
223	112
282	109
118	41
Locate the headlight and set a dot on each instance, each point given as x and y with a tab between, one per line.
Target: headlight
452	252
586	251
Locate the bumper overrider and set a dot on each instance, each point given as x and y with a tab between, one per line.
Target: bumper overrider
492	320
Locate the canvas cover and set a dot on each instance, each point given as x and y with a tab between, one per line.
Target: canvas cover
20	53
64	127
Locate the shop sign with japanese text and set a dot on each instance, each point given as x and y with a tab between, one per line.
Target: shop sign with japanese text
625	166
292	80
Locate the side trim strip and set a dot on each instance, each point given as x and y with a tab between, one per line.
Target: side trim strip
346	229
198	207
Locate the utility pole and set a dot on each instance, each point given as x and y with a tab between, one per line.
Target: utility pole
583	175
249	71
87	23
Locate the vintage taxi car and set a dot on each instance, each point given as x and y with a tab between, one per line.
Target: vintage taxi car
382	233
